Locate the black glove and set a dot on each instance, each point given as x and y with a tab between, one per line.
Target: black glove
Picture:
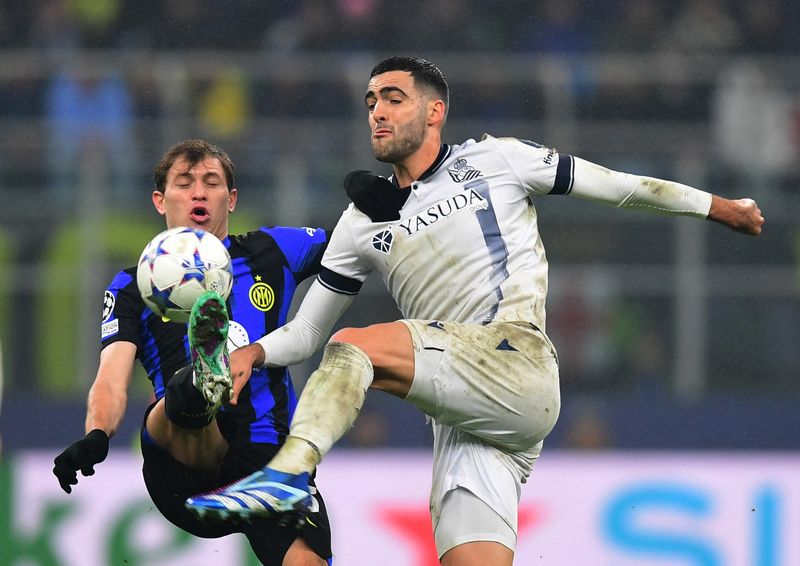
81	455
375	196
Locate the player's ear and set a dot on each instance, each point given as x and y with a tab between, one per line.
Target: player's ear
233	197
436	112
158	202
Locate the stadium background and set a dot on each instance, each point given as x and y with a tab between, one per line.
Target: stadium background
674	335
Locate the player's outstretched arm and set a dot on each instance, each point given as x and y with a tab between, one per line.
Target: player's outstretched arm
741	215
635	192
107	401
293	342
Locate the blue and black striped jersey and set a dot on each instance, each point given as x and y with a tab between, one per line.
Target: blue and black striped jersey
268	264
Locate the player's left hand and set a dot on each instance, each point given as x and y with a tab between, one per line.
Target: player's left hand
242	363
741	215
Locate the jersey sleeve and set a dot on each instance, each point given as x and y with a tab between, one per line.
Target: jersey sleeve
122	311
343	270
540	170
299	338
302	247
636	192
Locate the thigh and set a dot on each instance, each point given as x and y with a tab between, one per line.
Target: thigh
389	348
169	483
498	382
467	520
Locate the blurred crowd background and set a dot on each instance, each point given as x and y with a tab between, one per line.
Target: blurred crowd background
672	333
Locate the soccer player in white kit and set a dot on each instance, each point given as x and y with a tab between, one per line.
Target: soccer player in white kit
453	233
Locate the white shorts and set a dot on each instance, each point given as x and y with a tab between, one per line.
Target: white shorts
465	518
493	394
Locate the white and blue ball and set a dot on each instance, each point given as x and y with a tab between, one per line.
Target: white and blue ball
178	266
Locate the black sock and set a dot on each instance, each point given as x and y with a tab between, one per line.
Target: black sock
183	403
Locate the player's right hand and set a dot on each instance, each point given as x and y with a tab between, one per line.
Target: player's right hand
242	363
741	215
81	455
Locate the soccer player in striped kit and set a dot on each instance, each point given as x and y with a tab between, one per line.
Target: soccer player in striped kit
189	442
453	234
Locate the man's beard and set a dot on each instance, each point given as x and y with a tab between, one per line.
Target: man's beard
401	148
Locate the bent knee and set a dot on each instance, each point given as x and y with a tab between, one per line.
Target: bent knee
349	335
389	348
389	338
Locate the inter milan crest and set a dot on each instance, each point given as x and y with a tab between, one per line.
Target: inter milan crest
261	295
382	241
460	171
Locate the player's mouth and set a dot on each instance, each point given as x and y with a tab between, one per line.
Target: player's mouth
381	132
199	214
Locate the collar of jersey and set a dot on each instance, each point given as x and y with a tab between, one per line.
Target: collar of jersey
444	151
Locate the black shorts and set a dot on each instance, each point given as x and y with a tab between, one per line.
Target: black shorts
169	483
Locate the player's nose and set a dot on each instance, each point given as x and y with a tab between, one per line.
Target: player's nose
378	113
199	191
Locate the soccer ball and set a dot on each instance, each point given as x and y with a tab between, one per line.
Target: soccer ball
178	266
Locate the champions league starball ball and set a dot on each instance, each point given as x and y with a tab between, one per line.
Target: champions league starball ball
178	266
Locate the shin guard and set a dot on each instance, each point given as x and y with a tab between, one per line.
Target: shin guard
328	407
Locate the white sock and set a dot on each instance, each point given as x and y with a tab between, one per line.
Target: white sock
328	407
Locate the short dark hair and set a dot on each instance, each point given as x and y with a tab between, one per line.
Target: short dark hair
424	73
192	151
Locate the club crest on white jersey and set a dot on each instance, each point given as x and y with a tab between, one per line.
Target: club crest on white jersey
461	172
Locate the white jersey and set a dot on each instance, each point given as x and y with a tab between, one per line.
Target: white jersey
467	246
